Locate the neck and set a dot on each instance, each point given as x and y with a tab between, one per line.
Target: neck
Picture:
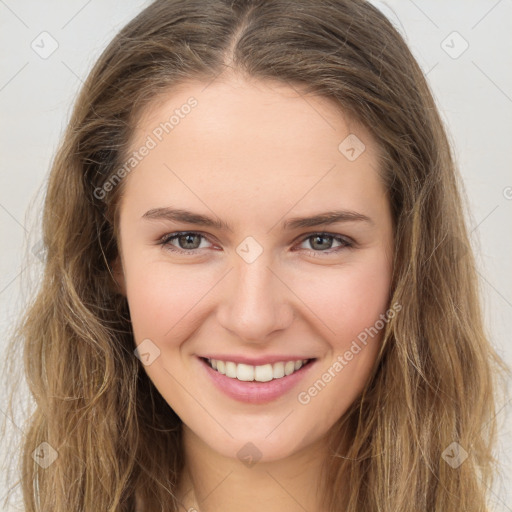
212	482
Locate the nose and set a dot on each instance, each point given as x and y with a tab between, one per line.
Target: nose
256	302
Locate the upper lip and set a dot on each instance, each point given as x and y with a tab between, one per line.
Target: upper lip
256	361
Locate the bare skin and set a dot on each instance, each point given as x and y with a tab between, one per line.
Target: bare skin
254	155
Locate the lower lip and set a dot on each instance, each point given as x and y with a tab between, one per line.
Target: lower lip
256	392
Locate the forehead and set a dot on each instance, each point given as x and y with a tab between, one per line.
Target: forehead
263	140
230	109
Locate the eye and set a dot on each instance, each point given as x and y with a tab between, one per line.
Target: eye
321	242
188	242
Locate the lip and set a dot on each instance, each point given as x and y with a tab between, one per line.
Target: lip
256	392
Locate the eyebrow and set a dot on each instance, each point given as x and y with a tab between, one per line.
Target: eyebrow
329	217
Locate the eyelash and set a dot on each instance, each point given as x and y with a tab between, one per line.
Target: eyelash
166	239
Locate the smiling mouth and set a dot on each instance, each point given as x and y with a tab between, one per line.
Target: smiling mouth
261	373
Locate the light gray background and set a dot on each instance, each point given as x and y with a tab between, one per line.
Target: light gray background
473	91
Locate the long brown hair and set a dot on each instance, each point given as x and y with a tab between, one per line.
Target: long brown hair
432	388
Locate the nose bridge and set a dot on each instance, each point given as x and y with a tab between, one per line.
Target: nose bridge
256	304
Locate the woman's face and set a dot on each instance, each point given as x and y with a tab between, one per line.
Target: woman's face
249	282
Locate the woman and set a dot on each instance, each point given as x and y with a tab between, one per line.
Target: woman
257	369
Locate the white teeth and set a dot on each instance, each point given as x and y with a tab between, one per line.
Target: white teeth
245	372
230	369
262	373
278	370
289	367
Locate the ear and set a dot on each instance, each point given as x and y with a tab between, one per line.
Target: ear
118	274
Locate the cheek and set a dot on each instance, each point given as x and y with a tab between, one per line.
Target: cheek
353	350
162	298
354	308
348	300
